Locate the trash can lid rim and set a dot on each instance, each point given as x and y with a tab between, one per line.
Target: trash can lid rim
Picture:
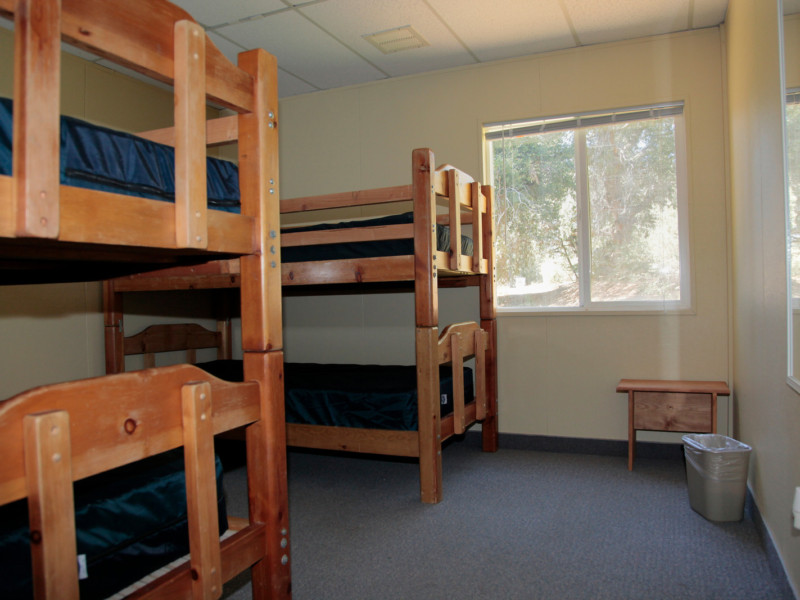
728	444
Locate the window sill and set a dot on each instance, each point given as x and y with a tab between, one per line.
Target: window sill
594	311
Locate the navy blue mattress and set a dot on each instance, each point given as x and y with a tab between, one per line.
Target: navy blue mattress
402	247
130	522
342	395
103	159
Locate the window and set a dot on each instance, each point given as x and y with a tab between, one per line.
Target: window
793	186
792	154
590	211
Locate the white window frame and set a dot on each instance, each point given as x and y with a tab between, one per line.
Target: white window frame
583	121
793	303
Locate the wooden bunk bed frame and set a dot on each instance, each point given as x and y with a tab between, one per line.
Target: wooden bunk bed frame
461	201
51	232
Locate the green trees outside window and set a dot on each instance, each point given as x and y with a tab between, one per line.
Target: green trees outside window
590	211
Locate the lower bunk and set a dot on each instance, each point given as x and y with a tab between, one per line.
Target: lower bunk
96	493
130	523
396	410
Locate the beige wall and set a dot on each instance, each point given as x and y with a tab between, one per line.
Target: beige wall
767	409
557	373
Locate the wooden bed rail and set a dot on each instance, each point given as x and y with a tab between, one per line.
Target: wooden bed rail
186	337
459	342
171	48
57	434
444	196
115	29
121	422
385	195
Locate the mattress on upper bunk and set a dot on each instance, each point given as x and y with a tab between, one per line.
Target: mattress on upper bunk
104	159
346	395
370	249
129	522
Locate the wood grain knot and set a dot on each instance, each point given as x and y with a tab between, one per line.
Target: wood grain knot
130	426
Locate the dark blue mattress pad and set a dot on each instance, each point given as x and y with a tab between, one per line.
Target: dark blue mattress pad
104	159
366	249
130	522
361	396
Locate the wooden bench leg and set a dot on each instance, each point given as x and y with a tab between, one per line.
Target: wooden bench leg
631	433
713	413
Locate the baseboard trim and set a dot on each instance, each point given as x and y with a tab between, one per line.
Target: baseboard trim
774	561
546	443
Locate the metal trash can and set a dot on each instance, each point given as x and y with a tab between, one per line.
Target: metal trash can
716	473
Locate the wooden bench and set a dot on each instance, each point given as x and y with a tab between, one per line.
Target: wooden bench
670	405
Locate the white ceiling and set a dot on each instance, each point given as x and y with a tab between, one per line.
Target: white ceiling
319	44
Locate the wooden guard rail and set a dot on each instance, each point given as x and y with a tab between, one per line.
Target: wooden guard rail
188	337
36	205
463	197
457	342
70	431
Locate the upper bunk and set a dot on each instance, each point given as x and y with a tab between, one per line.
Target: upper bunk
437	233
52	231
429	241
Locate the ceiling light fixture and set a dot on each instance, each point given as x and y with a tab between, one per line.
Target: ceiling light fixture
397	39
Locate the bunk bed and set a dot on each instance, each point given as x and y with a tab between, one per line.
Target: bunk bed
418	251
53	229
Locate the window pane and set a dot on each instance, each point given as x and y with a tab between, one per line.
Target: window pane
589	210
793	167
633	204
536	236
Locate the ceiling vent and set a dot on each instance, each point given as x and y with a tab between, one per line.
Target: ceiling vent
396	40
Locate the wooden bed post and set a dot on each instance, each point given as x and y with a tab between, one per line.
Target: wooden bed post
430	422
425	284
37	77
258	181
262	340
426	300
489	324
48	468
266	470
191	205
222	312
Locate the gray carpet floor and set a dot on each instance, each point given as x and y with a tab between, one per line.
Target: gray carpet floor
516	524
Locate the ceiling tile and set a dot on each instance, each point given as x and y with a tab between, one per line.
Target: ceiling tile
304	50
228	48
598	21
319	44
211	13
289	85
709	13
337	17
512	28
